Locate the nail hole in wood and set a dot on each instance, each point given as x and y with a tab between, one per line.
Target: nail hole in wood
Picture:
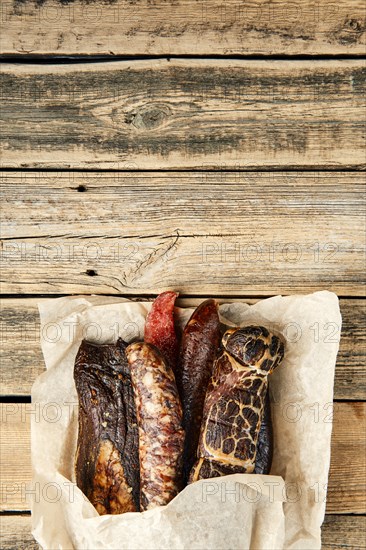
81	188
91	272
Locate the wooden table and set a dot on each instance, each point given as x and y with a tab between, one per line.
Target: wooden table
211	147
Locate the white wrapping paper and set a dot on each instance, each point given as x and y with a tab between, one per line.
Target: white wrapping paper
283	510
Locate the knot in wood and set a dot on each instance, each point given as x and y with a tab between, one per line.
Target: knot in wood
151	116
351	31
354	25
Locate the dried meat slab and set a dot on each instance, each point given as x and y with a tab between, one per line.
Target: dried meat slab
235	402
107	462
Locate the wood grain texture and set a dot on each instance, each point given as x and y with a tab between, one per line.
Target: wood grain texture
346	493
347	481
346	532
195	27
338	531
21	359
184	114
15	533
206	234
15	456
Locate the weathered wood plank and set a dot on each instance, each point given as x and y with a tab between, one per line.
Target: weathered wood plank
15	456
347	482
21	359
15	533
338	531
202	27
344	532
346	492
350	375
184	114
201	233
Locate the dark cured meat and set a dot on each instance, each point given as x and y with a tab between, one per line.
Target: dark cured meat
159	327
234	403
200	341
107	465
263	460
159	415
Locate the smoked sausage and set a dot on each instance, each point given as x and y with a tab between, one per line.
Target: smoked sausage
159	417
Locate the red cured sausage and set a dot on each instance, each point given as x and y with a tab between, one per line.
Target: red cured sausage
159	327
200	341
159	418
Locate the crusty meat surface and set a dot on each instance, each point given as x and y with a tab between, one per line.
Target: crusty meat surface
160	329
263	459
159	415
106	466
235	399
199	346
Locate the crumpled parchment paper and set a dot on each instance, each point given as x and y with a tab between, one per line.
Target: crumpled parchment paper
283	510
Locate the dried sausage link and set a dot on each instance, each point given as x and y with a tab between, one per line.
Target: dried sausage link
200	342
159	416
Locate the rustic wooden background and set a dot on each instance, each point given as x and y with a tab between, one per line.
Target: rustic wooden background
211	147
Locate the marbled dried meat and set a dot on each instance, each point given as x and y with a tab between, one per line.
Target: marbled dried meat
234	403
